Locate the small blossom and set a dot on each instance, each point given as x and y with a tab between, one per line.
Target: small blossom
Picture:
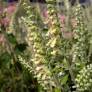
11	8
5	21
45	14
74	23
62	18
2	39
1	10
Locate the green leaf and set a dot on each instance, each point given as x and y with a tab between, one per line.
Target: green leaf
20	47
12	38
5	59
57	90
64	80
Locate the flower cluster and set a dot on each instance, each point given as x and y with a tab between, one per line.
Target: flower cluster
54	31
80	36
84	79
34	39
54	43
25	64
7	13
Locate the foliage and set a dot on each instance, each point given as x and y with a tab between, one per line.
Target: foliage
45	53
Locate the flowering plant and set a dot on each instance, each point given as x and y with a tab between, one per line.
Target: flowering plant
45	50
